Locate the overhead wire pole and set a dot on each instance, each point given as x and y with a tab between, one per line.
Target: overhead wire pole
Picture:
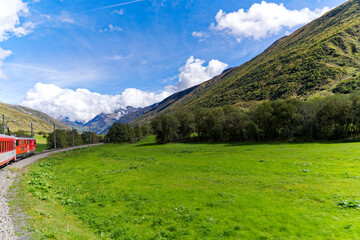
90	134
32	130
54	137
4	124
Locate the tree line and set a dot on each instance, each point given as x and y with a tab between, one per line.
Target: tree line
124	133
64	138
334	117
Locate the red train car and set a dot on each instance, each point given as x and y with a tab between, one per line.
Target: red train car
8	151
25	147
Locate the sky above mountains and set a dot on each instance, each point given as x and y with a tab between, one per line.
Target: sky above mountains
78	58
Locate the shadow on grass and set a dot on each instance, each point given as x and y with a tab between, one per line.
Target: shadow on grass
150	142
147	144
239	144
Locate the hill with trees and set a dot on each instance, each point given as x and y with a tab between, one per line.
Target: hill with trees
19	118
322	57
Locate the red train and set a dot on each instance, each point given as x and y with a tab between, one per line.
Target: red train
15	148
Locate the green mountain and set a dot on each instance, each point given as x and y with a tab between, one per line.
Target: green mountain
20	118
322	57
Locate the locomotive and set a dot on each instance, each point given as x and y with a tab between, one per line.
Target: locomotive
15	148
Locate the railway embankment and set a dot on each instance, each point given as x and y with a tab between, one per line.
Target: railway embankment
7	176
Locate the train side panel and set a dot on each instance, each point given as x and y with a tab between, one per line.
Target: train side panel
7	149
25	147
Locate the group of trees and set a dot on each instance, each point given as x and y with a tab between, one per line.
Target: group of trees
64	138
124	133
328	118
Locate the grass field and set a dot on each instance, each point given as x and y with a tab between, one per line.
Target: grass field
195	191
40	143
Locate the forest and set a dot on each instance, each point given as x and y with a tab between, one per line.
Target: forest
334	117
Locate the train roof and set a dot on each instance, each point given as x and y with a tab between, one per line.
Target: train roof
17	138
6	136
22	138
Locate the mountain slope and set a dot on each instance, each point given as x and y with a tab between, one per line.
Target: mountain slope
20	118
316	58
103	121
127	118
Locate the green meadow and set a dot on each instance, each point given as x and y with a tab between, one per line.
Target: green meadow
40	143
195	191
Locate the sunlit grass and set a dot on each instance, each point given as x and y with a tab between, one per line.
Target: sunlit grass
195	191
40	143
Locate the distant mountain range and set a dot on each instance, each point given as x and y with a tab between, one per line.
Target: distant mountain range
102	122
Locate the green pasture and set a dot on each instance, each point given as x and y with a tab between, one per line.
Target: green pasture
40	143
195	191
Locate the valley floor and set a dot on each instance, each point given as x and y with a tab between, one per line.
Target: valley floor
194	191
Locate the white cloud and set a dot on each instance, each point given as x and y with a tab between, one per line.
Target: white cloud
119	12
201	35
112	28
83	105
3	54
118	57
198	34
10	13
263	20
194	73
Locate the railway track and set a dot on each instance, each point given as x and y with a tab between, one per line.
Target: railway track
7	177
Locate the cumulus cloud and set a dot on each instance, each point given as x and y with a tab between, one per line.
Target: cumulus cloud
10	13
194	73
83	105
263	20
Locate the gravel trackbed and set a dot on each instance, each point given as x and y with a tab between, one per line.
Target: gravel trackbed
7	229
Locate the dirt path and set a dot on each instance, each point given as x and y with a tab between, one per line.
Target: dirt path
7	177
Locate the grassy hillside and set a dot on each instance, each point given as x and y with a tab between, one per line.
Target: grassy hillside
316	58
20	118
195	191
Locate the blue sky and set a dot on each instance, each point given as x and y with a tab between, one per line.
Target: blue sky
143	44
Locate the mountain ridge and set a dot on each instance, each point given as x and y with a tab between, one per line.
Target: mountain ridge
312	60
20	118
